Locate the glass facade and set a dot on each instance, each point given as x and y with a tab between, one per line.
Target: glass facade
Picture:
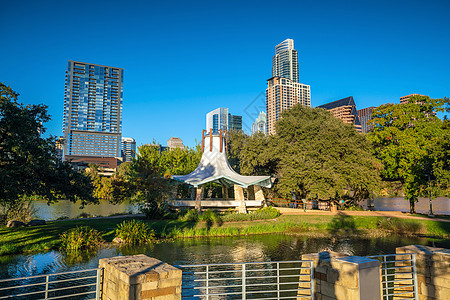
221	119
93	102
128	149
285	61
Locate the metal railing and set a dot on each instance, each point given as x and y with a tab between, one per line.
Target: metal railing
255	280
398	276
83	284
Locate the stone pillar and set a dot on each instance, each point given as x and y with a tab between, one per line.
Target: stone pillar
198	198
433	270
239	196
343	277
238	193
139	277
224	192
259	195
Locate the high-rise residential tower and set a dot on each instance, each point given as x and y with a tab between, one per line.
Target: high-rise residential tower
92	111
128	149
283	89
285	61
220	118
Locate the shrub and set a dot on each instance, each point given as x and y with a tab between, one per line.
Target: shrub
211	217
80	238
259	214
190	216
135	232
400	226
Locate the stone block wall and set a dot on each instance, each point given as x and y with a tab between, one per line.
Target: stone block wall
139	277
340	277
433	271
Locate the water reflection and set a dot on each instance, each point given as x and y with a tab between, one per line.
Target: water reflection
65	208
274	247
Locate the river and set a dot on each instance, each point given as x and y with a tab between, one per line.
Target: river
271	247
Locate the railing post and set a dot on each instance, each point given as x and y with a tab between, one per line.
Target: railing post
414	269
207	282
46	287
97	286
243	282
278	280
311	272
384	272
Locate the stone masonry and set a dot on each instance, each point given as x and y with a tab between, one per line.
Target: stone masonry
342	277
433	271
139	277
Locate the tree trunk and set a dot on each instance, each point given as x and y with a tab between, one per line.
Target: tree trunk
412	206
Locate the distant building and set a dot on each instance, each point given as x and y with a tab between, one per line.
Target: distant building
283	89
175	142
344	109
365	115
59	144
159	147
128	149
405	99
282	94
220	118
234	122
92	111
260	124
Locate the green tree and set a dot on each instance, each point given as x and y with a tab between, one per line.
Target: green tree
28	163
406	138
148	182
320	156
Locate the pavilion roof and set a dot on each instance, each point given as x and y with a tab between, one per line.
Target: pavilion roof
214	167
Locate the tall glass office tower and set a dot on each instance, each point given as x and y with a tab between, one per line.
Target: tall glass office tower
220	118
285	61
92	110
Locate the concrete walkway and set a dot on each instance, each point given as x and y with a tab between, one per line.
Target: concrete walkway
391	214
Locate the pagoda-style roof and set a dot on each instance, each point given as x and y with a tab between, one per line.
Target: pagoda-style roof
214	167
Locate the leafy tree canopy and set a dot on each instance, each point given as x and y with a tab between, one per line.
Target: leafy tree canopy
409	139
28	163
312	154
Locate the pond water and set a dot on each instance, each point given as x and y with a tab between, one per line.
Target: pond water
272	247
65	208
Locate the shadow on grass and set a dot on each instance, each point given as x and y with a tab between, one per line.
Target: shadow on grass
342	224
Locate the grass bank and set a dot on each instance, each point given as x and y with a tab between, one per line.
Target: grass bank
41	238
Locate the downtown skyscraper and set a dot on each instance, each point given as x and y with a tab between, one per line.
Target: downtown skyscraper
92	111
220	118
283	88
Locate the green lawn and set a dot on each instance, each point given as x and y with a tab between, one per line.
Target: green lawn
39	238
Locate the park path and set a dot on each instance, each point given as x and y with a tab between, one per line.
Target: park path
388	214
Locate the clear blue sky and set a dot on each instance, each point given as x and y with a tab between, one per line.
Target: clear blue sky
183	59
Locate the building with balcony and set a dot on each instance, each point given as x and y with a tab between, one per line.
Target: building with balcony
92	122
283	88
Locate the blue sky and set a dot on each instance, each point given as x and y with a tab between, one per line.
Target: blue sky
182	59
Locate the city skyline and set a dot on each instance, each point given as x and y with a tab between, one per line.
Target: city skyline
373	52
